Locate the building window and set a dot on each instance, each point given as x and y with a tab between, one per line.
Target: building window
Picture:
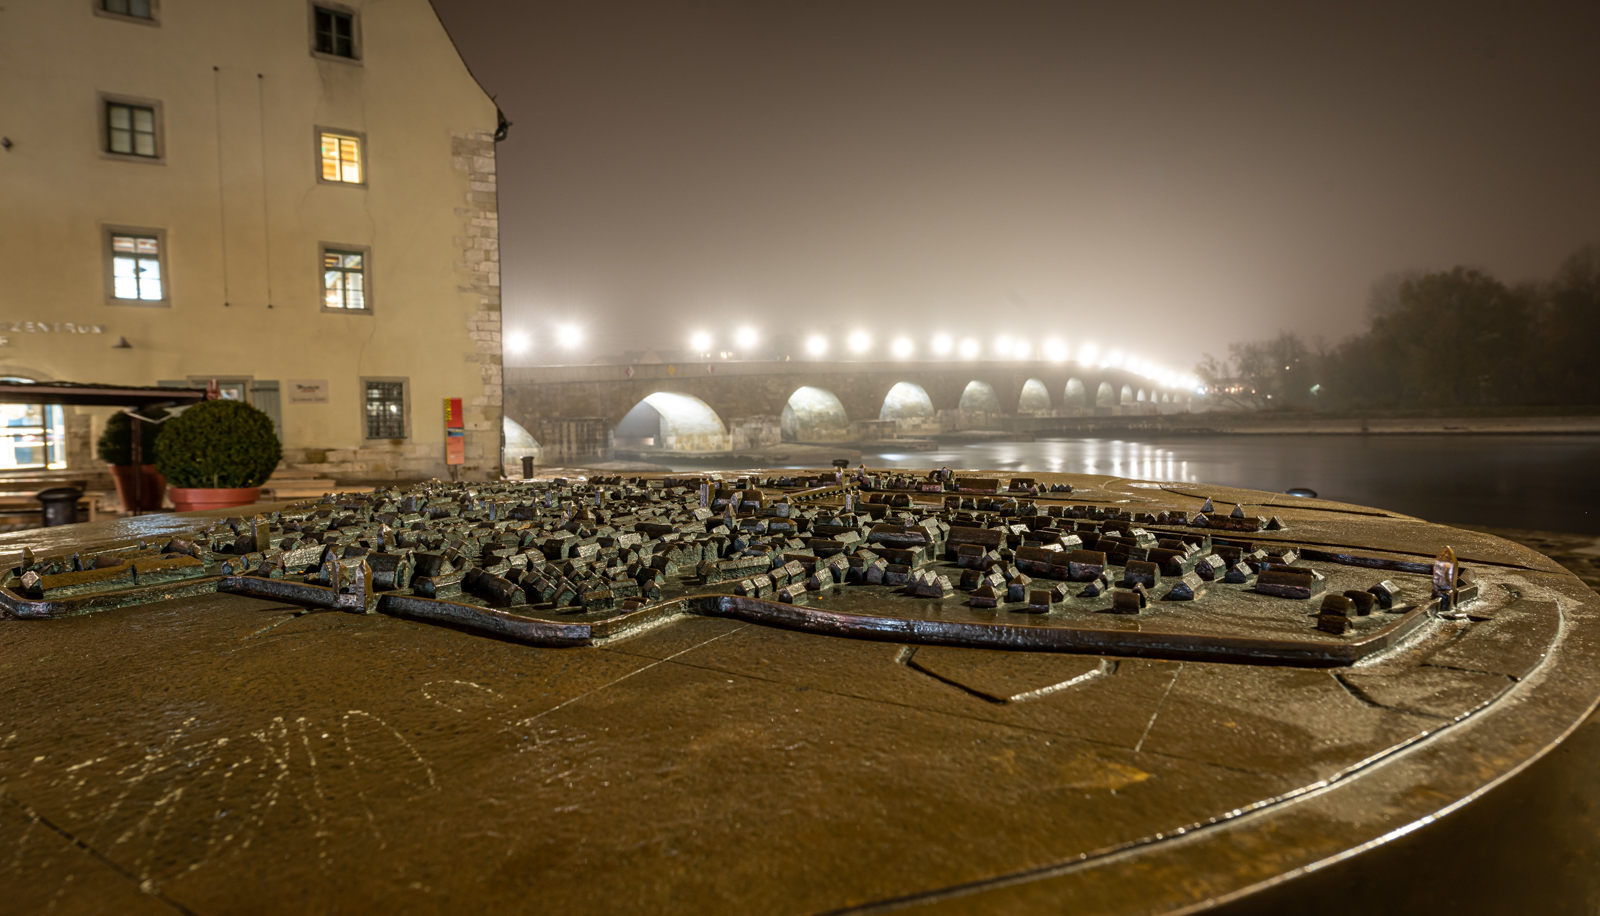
138	9
32	435
385	408
131	129
136	266
145	12
341	157
344	279
334	32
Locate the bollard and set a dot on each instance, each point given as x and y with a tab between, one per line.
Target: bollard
59	504
527	467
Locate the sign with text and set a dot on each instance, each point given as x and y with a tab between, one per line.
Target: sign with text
452	415
308	391
455	447
46	327
51	327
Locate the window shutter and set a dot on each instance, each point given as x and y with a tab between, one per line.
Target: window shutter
264	395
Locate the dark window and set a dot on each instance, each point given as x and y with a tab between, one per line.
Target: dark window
336	33
344	276
386	410
139	9
131	129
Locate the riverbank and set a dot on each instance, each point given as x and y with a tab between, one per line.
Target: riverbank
1530	482
793	454
1212	424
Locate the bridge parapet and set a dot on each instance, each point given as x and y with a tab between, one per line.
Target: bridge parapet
969	394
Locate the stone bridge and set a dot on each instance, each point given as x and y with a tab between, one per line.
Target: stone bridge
719	406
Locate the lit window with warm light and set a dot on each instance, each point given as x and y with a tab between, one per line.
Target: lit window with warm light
341	158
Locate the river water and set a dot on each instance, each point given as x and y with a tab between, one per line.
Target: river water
1549	483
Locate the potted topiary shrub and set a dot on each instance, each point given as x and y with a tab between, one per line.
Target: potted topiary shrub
217	454
115	448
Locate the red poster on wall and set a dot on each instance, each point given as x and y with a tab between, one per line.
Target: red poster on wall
453	418
455	448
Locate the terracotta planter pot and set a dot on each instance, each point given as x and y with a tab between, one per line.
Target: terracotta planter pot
192	499
151	489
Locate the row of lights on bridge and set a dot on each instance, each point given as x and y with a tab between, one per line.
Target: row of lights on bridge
860	344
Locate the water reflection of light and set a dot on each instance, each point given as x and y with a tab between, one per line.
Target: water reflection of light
1118	457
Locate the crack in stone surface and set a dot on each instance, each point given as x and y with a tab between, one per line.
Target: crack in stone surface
143	887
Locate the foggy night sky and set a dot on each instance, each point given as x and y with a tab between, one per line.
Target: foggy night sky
1162	177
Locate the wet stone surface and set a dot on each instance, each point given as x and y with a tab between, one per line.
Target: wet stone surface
764	693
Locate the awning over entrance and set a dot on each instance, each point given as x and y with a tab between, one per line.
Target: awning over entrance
89	394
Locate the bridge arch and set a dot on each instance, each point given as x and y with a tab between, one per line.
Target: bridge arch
1127	395
1035	398
1105	396
519	444
979	397
1139	395
906	401
675	422
814	415
1076	397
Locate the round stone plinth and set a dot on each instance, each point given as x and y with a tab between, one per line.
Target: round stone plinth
780	694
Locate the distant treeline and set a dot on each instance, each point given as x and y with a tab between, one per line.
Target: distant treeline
1454	339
